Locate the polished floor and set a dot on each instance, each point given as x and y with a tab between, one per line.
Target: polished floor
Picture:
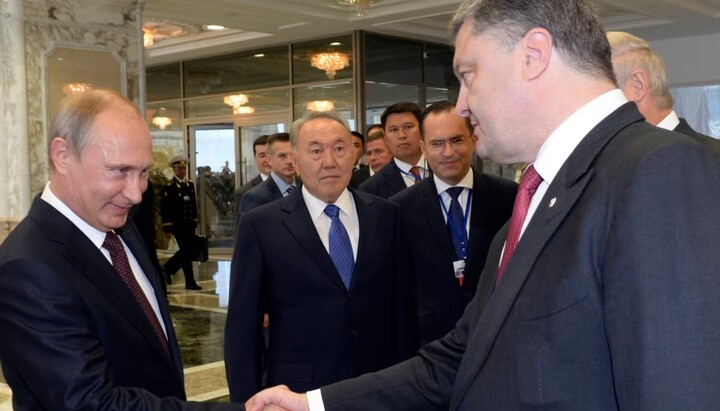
199	322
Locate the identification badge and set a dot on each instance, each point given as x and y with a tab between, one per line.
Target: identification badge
186	198
459	268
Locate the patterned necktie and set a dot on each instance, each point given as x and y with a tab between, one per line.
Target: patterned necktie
341	251
528	185
456	220
122	266
289	191
415	172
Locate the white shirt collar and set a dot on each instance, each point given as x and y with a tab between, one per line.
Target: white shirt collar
670	122
563	141
264	177
316	207
406	167
466	182
96	236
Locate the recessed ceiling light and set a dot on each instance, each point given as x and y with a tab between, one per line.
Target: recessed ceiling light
336	43
259	55
213	27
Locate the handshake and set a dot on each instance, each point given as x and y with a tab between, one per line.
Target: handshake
277	398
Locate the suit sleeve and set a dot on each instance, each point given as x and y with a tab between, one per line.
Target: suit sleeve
243	330
51	352
661	286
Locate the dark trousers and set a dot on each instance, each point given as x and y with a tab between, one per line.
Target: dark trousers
183	258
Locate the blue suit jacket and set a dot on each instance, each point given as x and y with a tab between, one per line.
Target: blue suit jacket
319	331
610	301
429	257
75	337
386	182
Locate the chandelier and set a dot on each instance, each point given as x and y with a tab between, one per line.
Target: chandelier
161	122
204	79
330	62
320	105
72	89
361	6
237	102
243	110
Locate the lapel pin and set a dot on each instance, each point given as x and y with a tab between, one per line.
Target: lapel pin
552	201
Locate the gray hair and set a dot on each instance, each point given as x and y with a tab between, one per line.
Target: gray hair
314	115
577	33
630	53
76	116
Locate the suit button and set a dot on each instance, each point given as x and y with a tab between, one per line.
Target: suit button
353	333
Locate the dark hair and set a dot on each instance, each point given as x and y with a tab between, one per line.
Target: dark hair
358	135
376	135
578	35
273	138
260	141
402	107
442	106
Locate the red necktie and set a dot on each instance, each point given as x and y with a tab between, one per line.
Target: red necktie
122	266
528	185
415	171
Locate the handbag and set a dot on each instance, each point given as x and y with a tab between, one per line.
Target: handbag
201	249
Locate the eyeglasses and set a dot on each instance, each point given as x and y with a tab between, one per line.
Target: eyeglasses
455	143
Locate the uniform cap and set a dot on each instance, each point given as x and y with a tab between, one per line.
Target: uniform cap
179	160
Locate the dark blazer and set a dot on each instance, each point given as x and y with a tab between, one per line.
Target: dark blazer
263	193
610	301
709	142
386	182
319	331
440	299
75	337
359	176
238	196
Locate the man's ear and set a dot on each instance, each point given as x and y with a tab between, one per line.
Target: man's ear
537	49
637	86
60	154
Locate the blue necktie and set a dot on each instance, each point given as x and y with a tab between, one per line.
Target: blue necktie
341	251
456	221
289	191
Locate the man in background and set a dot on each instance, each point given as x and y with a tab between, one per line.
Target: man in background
641	75
262	162
377	155
359	147
178	210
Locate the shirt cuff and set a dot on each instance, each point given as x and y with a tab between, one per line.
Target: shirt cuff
315	402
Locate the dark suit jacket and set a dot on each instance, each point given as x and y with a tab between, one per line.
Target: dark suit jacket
386	182
440	299
319	331
610	301
238	196
359	176
263	193
75	337
709	142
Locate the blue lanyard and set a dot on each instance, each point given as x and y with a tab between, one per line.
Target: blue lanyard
422	176
455	231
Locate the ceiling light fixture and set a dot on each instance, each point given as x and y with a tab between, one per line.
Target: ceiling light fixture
237	102
243	110
213	27
161	122
320	105
361	6
148	37
330	62
72	89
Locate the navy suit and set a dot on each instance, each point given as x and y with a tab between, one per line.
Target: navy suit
359	176
238	196
610	301
319	332
711	143
440	299
386	182
74	335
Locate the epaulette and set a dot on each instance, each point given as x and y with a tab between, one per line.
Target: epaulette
170	182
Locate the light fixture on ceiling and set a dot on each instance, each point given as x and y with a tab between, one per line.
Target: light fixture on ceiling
204	79
213	27
330	62
361	6
243	110
320	105
148	37
237	102
161	122
71	89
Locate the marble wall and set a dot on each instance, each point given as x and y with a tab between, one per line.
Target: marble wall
30	32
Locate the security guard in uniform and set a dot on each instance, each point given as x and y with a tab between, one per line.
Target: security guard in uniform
178	210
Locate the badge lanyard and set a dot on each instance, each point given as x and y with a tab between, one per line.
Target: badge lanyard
456	232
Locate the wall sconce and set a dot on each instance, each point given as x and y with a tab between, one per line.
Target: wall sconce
320	105
161	122
330	62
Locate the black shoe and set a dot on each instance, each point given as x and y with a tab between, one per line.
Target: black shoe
193	287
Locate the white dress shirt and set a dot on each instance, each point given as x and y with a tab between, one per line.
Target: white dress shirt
405	169
348	216
467	184
670	122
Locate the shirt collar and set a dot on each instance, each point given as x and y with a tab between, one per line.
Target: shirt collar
466	182
670	122
96	236
316	207
282	184
563	141
406	167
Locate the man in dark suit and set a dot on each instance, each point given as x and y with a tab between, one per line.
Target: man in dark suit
377	155
322	262
609	300
401	122
178	210
74	334
359	147
262	162
448	221
641	75
282	179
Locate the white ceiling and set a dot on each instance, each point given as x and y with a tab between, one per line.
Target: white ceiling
257	23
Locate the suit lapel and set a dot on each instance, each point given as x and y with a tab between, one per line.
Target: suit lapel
561	196
394	179
298	222
368	221
273	189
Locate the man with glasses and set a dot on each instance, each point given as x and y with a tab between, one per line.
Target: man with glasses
449	220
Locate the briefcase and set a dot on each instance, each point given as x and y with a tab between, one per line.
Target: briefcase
201	248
